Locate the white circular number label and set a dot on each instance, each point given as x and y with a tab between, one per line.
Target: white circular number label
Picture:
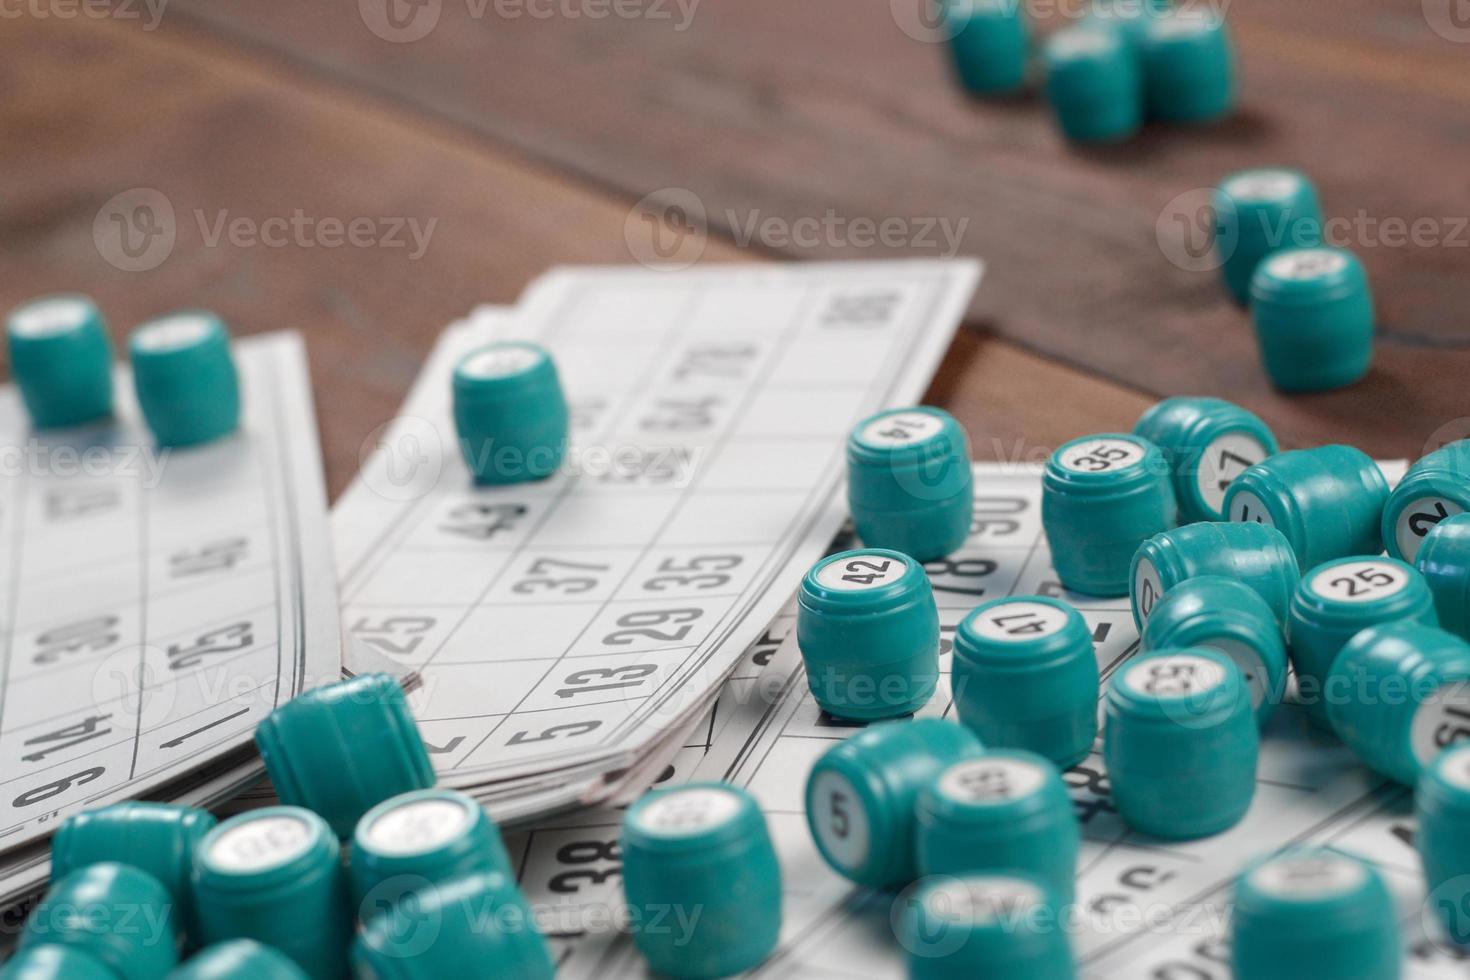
982	899
1307	264
49	318
1223	460
1014	622
840	820
173	332
419	826
988	781
901	429
260	844
1360	581
1175	676
1418	519
1148	588
1441	721
1263	185
1246	507
857	572
500	362
688	811
1103	456
1304	877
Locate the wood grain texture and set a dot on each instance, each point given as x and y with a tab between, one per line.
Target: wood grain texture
98	109
791	110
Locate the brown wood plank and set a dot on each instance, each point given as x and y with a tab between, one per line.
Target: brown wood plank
214	131
787	110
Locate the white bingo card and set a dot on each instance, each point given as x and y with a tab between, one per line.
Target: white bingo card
561	627
1147	909
158	603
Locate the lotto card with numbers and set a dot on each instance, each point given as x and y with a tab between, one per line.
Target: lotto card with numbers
563	626
158	603
1145	909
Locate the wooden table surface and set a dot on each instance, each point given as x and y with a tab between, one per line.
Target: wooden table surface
536	132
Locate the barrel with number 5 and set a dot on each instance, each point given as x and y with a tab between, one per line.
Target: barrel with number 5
1025	676
1102	497
1399	694
868	629
1338	601
1180	743
862	793
1435	488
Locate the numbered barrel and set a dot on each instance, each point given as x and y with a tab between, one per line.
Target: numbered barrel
1399	694
55	963
1025	676
1188	67
239	959
1180	743
909	482
990	41
1435	488
342	749
274	875
1336	602
185	378
61	359
427	835
868	629
1314	912
1327	501
1093	83
1207	442
1102	497
1259	212
861	794
159	838
114	913
702	854
984	926
1442	809
1225	615
1444	561
510	412
1006	811
1257	556
1313	315
455	928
